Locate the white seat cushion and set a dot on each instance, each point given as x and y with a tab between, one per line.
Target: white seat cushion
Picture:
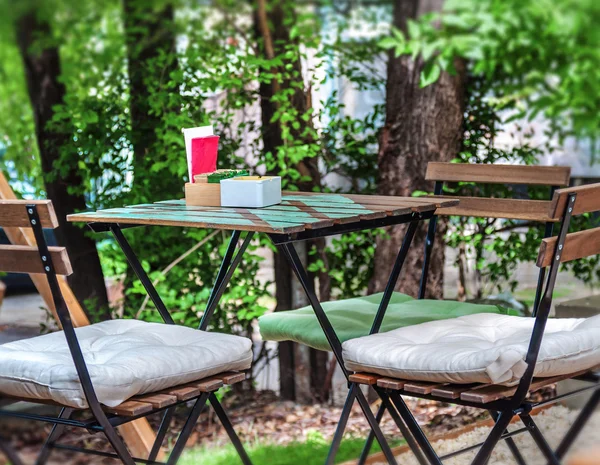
124	358
481	348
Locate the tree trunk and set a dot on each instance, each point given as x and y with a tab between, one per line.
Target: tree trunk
422	125
45	91
151	57
273	31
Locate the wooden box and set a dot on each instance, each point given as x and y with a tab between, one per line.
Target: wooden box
203	194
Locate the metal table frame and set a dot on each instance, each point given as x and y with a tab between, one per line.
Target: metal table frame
285	244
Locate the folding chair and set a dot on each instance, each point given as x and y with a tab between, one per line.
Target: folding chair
113	372
404	314
493	362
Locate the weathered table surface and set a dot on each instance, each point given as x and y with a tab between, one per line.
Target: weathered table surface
298	212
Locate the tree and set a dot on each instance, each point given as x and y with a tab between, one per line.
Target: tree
527	60
151	58
43	76
422	124
272	24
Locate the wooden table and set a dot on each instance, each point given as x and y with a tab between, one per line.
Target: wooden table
300	216
298	213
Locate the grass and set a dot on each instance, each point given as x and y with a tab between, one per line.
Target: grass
312	452
528	295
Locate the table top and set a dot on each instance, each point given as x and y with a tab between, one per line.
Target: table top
298	211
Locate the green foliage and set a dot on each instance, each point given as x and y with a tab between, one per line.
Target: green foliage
524	59
220	65
542	55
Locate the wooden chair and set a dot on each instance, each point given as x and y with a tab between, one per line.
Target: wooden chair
502	401
66	369
534	211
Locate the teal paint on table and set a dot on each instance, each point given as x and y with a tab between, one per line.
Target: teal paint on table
104	216
335	198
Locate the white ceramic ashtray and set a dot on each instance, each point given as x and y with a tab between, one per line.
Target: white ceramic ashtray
251	191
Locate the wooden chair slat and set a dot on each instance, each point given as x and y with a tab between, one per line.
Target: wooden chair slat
233	377
208	384
513	209
183	393
391	383
588	200
498	174
364	378
577	245
156	400
453	391
492	392
13	213
130	408
26	259
421	387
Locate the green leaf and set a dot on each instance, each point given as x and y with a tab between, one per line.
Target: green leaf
388	42
430	74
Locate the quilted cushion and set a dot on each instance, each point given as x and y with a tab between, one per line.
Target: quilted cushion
124	358
352	318
483	348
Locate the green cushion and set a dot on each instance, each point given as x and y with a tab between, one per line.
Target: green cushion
352	318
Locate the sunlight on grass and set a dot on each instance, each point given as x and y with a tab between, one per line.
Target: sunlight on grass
312	452
528	295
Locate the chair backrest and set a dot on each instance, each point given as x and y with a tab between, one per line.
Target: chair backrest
564	247
566	203
28	259
51	261
515	209
486	207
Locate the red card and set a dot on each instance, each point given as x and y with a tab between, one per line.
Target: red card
204	155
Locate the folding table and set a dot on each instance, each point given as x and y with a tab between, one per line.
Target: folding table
301	216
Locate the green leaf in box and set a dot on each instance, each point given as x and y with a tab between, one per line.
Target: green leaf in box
205	191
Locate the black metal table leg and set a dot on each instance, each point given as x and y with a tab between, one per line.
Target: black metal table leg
233	241
341	427
141	273
228	267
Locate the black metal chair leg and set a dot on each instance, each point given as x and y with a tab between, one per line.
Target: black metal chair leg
161	433
415	429
510	442
188	428
366	408
233	437
578	425
118	445
484	454
410	440
371	437
539	439
55	433
341	426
